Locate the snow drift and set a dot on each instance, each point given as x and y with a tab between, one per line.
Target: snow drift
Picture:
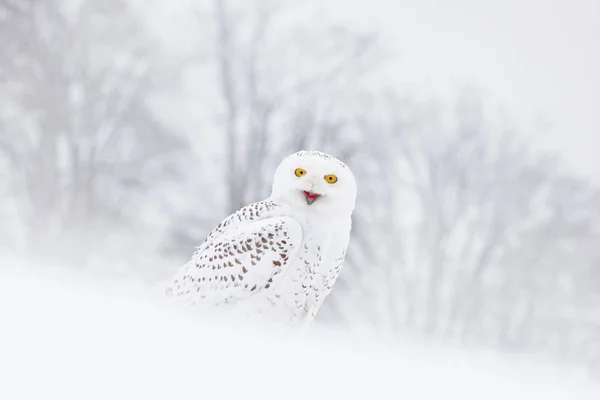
68	338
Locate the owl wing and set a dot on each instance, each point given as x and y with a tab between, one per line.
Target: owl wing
238	261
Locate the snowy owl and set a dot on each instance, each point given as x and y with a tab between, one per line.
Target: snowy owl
279	257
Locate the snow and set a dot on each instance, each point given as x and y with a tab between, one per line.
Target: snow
69	337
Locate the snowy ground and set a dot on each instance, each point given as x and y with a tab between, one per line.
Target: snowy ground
66	338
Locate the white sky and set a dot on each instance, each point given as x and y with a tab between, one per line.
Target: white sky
540	58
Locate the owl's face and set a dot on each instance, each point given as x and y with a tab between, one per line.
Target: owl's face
316	182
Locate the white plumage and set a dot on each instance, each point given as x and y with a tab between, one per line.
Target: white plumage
279	257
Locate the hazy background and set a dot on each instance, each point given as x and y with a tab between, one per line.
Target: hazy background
129	128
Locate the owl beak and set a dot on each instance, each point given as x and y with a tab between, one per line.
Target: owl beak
311	197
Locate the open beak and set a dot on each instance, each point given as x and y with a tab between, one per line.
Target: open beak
311	197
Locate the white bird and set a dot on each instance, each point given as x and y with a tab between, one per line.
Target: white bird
279	257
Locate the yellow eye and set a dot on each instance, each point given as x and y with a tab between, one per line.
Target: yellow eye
331	178
300	172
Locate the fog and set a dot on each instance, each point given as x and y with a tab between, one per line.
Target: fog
129	129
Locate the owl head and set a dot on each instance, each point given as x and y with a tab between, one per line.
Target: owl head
316	182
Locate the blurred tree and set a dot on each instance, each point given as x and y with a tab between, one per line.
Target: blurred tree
281	88
470	236
80	138
272	85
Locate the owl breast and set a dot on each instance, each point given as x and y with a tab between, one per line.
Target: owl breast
301	289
